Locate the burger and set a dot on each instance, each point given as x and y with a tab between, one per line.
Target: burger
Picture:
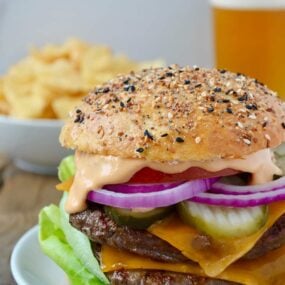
174	181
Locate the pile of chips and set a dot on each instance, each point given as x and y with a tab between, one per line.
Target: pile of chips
51	81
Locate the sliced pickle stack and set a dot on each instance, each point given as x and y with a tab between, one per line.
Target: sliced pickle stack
136	218
223	222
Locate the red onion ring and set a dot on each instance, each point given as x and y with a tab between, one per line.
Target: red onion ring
243	200
223	188
156	199
141	188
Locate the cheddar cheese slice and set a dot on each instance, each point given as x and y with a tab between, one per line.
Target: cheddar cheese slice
217	255
114	259
268	270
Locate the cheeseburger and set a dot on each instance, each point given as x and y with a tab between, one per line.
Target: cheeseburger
173	181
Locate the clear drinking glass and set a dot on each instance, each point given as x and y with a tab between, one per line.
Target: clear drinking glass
250	38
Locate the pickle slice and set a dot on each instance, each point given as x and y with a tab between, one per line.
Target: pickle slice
223	222
136	218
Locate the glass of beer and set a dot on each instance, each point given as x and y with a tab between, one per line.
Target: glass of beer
250	38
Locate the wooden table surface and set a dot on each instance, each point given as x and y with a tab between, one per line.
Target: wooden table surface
22	195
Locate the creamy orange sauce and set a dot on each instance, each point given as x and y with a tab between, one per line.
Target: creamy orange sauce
95	171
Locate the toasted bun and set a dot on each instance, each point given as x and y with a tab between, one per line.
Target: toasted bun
174	113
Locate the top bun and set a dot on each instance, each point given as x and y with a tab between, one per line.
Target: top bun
174	113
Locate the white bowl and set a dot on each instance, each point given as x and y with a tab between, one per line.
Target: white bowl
32	144
30	266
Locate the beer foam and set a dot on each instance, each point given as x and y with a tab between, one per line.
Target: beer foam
249	4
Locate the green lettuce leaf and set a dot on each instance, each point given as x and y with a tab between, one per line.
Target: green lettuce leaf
68	247
66	168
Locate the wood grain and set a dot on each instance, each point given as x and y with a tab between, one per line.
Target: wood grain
22	195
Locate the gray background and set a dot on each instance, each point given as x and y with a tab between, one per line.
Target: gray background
178	31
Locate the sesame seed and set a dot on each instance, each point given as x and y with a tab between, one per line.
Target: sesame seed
267	136
210	109
246	141
126	81
164	135
243	97
186	82
101	132
77	119
229	110
122	104
169	115
130	88
169	74
102	90
251	106
197	140
217	89
228	84
283	125
229	91
222	71
197	85
105	107
78	111
179	140
239	124
252	116
140	150
148	134
211	82
223	101
258	82
250	95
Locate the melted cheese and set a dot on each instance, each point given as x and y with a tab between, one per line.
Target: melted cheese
268	270
115	259
95	171
65	185
218	255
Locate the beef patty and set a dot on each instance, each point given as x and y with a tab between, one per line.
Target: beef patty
101	229
153	277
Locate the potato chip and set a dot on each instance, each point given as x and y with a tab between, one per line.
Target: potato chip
71	50
51	80
60	76
26	100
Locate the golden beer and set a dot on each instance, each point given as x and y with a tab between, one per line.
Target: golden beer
250	38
